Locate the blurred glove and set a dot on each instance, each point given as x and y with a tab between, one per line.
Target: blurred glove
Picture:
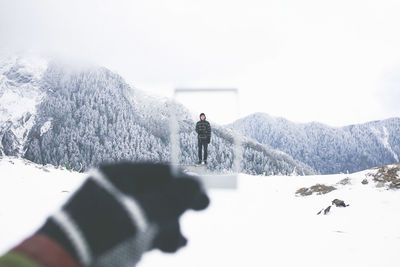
120	212
208	140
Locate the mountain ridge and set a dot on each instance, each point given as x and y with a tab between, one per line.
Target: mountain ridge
327	149
90	115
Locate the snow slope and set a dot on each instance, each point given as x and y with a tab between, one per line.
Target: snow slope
19	86
383	138
20	93
262	223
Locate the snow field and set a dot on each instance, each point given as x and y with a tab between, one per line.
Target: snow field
28	194
262	223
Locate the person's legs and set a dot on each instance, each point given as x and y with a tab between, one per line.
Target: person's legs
200	146
205	145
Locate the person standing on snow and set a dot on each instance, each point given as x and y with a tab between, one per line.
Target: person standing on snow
203	129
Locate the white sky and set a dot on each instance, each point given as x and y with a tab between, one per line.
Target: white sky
219	106
337	62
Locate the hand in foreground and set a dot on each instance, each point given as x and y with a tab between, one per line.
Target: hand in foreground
120	212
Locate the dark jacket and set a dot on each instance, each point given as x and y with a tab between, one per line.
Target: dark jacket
203	129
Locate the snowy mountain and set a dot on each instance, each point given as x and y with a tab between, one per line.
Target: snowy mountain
20	93
262	223
327	149
58	113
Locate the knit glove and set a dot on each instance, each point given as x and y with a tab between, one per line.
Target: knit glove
120	212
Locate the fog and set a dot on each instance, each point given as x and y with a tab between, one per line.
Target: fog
333	62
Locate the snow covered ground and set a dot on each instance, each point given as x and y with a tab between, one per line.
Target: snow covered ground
262	223
28	194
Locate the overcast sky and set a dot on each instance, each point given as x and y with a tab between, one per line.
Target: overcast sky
337	62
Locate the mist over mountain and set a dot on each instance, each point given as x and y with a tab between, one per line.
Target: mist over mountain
53	112
324	148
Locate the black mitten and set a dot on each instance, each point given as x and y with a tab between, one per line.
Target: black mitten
124	210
